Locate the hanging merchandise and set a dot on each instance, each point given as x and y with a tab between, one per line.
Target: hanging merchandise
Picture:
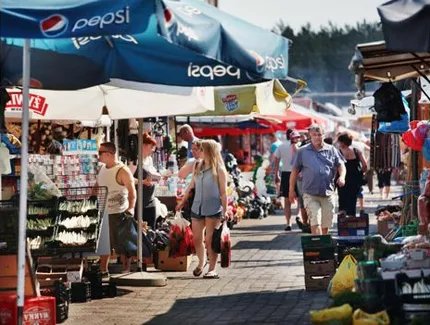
388	103
399	126
414	138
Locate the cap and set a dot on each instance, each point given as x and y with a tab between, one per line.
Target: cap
294	134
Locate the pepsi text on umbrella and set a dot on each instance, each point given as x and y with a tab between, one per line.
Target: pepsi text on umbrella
121	16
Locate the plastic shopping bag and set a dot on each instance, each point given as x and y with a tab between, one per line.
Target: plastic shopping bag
345	275
225	246
360	317
180	237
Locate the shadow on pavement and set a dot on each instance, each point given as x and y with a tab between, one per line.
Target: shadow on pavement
280	242
284	307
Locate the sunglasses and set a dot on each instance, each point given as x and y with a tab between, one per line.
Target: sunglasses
103	151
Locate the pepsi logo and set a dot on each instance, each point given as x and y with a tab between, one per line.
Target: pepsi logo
54	25
168	18
259	60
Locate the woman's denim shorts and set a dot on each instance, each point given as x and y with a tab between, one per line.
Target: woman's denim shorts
198	216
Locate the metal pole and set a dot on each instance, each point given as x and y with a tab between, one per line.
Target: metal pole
23	185
414	154
139	195
115	136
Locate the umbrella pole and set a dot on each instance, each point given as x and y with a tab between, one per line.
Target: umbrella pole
23	184
140	278
139	195
115	136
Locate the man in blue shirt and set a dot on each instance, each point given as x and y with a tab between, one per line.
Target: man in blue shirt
319	164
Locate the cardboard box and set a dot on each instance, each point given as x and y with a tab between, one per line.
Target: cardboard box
385	226
353	226
353	231
166	263
320	267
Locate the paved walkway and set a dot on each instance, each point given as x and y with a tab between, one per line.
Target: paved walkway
264	285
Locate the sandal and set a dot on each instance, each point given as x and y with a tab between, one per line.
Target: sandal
211	275
198	271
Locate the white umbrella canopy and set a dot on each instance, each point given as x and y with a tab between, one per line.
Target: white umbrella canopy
122	100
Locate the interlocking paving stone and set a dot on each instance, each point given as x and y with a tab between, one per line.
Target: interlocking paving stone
264	285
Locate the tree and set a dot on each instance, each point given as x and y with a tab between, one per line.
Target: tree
322	57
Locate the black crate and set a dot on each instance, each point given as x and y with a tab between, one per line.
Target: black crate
320	267
317	282
62	312
318	254
312	241
81	291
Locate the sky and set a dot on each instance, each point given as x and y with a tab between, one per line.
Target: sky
296	13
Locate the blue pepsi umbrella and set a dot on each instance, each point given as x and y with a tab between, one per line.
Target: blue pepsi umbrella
67	64
73	18
183	42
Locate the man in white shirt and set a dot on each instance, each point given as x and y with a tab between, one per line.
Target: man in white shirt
285	153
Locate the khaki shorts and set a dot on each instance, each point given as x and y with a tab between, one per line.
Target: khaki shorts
320	209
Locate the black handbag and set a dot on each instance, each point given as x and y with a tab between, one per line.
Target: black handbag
127	233
216	239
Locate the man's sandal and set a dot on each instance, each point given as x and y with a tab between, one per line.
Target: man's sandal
198	271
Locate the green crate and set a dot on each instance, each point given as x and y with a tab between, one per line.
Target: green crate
319	241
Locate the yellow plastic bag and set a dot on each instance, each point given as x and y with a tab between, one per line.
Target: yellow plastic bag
345	275
360	317
323	316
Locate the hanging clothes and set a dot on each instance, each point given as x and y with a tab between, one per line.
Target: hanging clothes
386	151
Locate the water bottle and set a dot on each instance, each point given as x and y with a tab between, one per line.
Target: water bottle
172	185
172	164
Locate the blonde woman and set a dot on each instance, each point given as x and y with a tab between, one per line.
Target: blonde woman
209	205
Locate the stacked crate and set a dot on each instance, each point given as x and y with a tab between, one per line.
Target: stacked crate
353	226
318	261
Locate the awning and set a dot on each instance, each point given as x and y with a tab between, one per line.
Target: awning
375	62
406	25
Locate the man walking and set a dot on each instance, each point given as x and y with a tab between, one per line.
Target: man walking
318	162
121	198
285	154
187	134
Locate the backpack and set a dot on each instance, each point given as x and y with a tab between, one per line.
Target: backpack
388	103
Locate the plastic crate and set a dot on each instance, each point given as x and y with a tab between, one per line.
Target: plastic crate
311	241
411	298
81	292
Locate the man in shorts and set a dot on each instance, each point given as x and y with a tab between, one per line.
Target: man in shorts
121	199
284	156
318	162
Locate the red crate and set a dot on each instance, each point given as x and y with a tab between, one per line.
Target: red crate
37	310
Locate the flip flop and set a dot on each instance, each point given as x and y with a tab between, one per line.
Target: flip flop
211	275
